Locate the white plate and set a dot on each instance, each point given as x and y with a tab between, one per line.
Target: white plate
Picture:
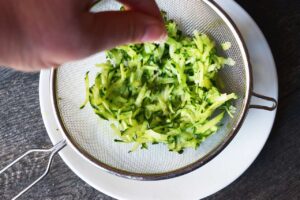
215	175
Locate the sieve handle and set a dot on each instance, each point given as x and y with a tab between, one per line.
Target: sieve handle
268	108
53	151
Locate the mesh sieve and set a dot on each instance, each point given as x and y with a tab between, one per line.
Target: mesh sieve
94	139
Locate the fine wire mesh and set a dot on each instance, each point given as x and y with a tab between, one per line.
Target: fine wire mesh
95	135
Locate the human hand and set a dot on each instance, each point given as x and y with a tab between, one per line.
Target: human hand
37	34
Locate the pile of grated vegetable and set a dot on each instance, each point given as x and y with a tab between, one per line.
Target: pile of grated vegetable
162	93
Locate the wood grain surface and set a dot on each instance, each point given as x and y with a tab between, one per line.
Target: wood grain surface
275	175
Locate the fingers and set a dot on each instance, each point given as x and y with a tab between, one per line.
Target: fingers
141	22
109	29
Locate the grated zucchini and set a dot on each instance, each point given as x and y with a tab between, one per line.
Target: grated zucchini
162	93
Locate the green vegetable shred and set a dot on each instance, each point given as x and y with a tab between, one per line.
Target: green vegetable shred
162	93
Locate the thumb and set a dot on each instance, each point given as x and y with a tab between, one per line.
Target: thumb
109	29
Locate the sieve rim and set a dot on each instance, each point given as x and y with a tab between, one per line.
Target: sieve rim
200	162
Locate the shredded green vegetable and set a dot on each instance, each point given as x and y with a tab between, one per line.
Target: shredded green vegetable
162	93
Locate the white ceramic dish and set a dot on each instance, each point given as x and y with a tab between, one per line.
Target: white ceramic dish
218	173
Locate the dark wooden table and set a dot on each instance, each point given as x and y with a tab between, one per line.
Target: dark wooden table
275	174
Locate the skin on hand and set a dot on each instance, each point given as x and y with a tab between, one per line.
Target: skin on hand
37	34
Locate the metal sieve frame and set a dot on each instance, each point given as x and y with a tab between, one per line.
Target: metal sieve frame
202	161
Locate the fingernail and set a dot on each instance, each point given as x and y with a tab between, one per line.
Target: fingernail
154	33
162	39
